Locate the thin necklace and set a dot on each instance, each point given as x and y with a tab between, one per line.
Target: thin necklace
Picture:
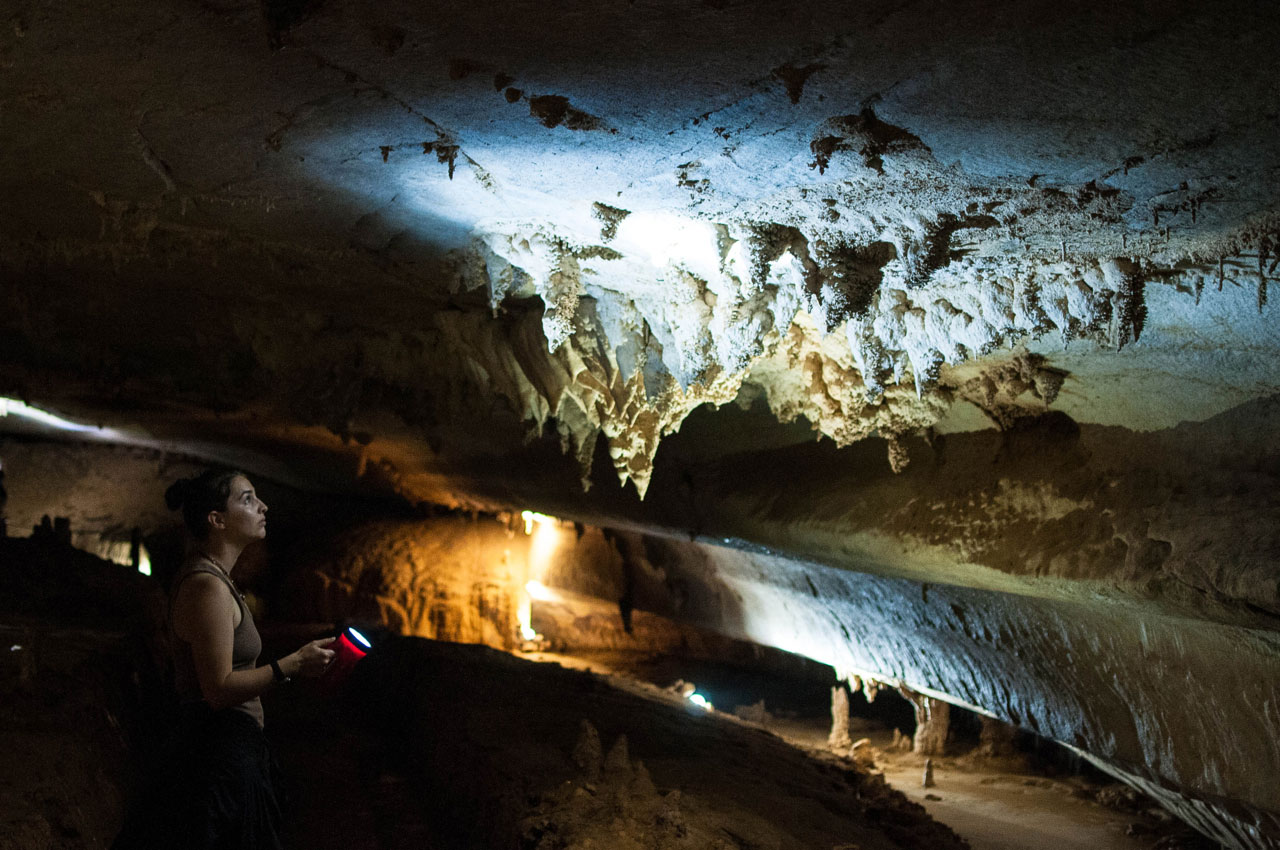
224	571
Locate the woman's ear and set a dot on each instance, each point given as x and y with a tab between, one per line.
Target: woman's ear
216	519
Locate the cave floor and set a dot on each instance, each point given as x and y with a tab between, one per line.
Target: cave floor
453	737
994	804
449	746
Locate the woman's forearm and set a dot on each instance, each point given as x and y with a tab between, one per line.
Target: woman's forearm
240	686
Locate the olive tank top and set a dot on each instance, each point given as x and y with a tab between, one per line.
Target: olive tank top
245	648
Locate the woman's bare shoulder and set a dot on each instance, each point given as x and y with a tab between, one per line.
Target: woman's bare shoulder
202	605
199	588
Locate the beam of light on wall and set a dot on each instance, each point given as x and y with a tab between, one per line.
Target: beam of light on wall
13	407
542	549
781	618
531	517
539	591
524	615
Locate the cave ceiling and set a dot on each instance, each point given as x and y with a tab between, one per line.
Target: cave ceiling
398	239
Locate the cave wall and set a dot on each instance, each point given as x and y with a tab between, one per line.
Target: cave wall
447	579
994	573
1183	519
463	579
457	577
104	491
1107	588
1188	708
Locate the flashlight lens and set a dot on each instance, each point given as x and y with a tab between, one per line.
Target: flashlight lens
361	638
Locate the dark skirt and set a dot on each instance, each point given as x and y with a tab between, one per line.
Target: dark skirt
217	791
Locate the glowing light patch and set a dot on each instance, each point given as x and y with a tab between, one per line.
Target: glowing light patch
355	634
700	701
530	517
540	591
17	647
13	407
121	552
668	239
524	616
542	549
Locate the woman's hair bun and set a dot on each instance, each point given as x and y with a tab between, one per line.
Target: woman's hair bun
177	493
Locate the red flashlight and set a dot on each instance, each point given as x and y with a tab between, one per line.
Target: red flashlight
349	648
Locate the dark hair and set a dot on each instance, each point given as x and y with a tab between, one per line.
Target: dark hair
208	491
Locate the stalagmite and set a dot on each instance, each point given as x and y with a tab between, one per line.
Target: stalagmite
588	754
839	740
933	724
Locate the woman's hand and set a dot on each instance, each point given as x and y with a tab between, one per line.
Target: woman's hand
312	659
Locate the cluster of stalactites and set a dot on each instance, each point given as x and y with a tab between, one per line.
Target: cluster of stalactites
850	337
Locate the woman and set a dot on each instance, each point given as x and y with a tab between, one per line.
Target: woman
222	792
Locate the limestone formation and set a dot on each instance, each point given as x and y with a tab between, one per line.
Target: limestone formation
930	341
933	724
839	740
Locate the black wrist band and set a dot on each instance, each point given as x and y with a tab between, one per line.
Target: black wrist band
279	674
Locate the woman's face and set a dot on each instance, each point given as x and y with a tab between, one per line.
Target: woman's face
246	515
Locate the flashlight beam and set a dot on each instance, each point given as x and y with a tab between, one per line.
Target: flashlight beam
13	407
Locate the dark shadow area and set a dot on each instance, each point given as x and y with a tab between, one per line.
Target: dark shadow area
496	748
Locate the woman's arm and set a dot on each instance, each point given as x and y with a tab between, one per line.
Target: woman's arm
204	615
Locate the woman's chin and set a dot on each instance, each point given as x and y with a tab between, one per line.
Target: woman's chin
259	533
